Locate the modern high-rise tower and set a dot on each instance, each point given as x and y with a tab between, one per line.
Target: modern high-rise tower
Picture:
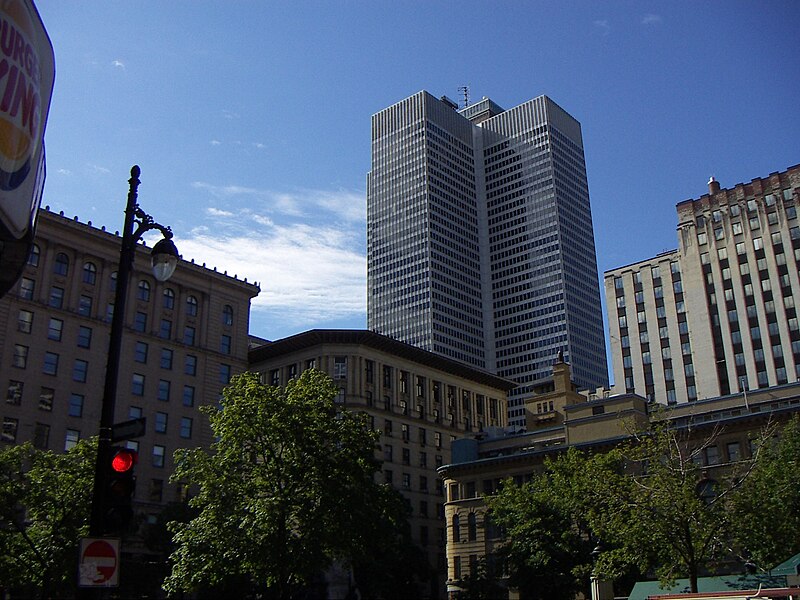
479	238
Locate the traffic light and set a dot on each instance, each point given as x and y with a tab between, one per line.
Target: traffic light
120	485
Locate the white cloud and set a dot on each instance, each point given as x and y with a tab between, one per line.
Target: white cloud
603	25
216	212
341	204
215	142
307	273
227	114
310	265
98	169
651	19
118	64
64	172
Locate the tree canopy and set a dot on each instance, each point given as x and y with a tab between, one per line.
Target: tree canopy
654	508
286	489
44	512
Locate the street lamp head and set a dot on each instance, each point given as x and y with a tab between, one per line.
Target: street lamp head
165	258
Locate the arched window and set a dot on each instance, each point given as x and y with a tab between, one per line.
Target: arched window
191	306
456	529
227	315
169	299
61	266
472	527
143	293
89	273
33	257
114	281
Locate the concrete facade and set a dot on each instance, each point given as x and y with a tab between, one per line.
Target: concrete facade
716	316
591	422
419	401
183	340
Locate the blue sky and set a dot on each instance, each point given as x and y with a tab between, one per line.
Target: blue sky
251	120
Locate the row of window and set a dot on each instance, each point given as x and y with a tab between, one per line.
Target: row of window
89	277
41	437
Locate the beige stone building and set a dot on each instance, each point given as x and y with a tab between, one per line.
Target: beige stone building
559	418
183	339
419	401
716	316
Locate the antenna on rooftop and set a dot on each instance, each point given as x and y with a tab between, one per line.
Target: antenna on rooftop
464	89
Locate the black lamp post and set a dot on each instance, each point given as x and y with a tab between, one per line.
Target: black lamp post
164	260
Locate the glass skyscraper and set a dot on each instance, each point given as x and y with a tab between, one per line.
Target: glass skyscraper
479	238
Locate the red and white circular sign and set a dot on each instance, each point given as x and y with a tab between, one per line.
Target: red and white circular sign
99	562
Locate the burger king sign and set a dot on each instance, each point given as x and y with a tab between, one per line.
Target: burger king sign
27	72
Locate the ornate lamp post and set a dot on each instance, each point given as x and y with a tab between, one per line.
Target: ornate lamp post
164	260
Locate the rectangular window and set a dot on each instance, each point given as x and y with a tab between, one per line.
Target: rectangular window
156	491
225	344
186	427
339	367
50	363
158	455
26	288
189	335
165	331
41	436
20	358
85	306
163	390
75	408
84	337
46	395
137	384
734	452
140	353
56	297
80	370
387	377
161	422
25	321
190	365
166	358
10	427
14	394
188	395
72	437
140	322
224	374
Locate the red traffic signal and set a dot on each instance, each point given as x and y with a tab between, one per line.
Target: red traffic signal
124	460
120	485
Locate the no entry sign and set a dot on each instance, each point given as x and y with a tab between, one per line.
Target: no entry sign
99	564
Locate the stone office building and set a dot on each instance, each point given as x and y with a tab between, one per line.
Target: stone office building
559	418
420	402
717	315
182	341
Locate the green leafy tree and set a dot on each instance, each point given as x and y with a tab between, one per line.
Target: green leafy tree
287	488
549	547
768	504
44	512
668	511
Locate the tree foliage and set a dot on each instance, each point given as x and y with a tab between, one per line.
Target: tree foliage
549	543
44	512
286	488
769	502
653	507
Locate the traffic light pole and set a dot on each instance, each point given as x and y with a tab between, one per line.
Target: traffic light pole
144	222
